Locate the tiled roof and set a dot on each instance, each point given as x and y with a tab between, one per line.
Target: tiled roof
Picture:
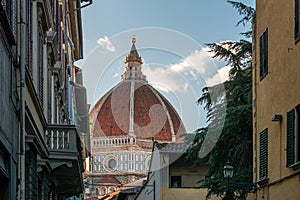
171	147
109	180
139	182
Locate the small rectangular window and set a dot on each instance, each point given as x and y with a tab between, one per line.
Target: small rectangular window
263	44
175	181
263	155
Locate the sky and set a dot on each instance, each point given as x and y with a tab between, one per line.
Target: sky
171	38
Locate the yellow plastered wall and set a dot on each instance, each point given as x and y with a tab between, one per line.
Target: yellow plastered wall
277	93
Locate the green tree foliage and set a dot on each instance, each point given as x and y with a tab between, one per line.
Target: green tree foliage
235	141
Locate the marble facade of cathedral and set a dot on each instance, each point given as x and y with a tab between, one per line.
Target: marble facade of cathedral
124	124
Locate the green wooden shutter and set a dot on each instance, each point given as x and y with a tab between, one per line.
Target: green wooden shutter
263	45
261	57
263	155
266	35
296	19
290	133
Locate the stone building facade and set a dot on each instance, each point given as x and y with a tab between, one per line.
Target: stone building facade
9	100
42	146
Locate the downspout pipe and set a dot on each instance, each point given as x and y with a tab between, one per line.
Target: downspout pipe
22	58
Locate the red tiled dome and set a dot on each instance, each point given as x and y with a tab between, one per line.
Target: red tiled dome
133	107
152	115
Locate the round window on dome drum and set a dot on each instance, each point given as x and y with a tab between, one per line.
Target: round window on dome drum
112	163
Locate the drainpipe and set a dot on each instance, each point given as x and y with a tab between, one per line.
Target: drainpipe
22	57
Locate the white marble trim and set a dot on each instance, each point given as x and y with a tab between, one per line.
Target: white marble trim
131	109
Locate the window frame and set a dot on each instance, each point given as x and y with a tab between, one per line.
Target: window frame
263	55
293	138
8	20
175	179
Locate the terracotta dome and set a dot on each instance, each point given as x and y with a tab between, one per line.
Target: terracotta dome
135	108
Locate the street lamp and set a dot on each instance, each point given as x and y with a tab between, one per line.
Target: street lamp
228	171
243	188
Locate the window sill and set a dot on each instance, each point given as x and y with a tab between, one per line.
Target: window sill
295	165
263	182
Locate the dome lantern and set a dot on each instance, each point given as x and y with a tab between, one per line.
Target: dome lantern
133	64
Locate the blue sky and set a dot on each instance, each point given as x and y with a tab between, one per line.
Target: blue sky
171	38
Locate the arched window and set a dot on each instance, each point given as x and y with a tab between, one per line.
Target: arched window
111	189
102	190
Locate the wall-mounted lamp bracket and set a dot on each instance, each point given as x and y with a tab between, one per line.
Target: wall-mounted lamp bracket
277	118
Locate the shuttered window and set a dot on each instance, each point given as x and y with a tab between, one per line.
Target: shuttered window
297	20
263	44
43	185
6	5
297	134
31	178
263	155
29	36
8	20
41	66
290	133
293	137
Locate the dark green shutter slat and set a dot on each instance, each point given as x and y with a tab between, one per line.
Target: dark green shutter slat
296	19
261	56
263	155
263	46
266	52
290	133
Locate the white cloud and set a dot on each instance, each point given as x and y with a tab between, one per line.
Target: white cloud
106	44
198	63
219	77
188	73
165	79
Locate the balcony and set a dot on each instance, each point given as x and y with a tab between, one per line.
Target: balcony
65	156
